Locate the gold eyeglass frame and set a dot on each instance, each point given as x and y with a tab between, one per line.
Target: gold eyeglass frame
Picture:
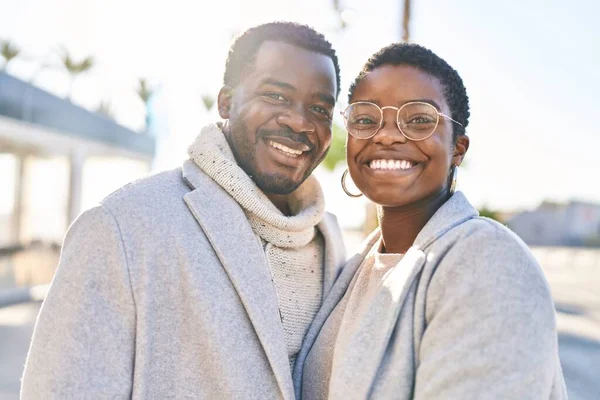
439	114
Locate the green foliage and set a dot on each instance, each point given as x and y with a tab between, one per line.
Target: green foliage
73	67
337	151
208	101
486	212
8	51
144	90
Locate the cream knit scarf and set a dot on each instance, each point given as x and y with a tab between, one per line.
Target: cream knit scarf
292	248
211	152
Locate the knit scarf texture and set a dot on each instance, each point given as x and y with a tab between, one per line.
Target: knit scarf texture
293	249
211	152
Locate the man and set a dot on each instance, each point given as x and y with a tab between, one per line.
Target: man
201	282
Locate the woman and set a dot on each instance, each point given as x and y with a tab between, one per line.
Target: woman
440	303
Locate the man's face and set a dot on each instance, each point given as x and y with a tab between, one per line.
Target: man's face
280	115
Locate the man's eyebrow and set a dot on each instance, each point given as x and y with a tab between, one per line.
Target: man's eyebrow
327	98
275	82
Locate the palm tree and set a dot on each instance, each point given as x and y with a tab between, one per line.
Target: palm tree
8	51
74	68
145	92
406	21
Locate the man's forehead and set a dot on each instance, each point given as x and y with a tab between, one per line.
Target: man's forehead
294	65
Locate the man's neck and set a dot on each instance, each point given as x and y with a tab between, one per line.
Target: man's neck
281	202
401	225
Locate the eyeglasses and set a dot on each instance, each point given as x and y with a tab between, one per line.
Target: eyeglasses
416	120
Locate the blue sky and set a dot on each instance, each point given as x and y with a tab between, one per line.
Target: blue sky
530	69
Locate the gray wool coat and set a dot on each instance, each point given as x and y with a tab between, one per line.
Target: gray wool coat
163	292
466	314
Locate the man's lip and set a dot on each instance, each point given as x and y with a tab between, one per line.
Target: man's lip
281	158
292	144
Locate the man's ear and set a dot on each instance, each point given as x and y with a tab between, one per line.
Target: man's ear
224	101
460	149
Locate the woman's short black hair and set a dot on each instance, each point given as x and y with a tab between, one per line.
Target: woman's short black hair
245	47
427	61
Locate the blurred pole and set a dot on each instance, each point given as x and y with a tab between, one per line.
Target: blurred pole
406	21
77	161
18	198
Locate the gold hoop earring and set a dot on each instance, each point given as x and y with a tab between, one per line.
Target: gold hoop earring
453	181
344	185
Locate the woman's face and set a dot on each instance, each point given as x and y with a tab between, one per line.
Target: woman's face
423	168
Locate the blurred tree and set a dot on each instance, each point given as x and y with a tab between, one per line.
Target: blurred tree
8	51
337	151
208	101
337	6
105	109
74	68
488	213
406	21
145	92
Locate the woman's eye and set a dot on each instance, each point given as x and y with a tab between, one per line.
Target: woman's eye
363	121
420	119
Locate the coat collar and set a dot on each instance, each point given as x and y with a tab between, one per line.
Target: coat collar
453	212
246	264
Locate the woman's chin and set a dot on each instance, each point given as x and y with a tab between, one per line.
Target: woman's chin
385	198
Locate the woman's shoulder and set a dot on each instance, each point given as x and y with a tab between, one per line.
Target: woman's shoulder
484	255
481	236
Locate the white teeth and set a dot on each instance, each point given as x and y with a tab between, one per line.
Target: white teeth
289	151
391	164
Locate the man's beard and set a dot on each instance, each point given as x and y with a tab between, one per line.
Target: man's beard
245	155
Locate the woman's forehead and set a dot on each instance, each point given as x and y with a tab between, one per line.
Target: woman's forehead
398	84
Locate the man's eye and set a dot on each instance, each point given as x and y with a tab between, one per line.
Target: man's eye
322	110
275	96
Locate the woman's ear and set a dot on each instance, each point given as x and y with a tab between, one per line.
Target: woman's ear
460	149
224	101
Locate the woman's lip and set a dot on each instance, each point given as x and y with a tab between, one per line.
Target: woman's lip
390	172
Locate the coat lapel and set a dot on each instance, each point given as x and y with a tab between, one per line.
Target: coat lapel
334	251
243	259
331	300
362	341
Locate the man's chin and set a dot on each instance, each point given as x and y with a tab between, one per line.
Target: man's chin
276	184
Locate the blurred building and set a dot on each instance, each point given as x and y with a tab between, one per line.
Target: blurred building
57	159
554	224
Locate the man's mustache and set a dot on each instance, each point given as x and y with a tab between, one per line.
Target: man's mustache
285	133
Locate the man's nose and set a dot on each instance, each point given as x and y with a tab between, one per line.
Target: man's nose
296	119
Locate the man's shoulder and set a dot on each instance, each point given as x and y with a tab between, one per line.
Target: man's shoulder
151	191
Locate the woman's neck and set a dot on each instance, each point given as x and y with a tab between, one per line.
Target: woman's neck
401	225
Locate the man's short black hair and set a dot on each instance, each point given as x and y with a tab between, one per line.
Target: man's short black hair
245	47
427	61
